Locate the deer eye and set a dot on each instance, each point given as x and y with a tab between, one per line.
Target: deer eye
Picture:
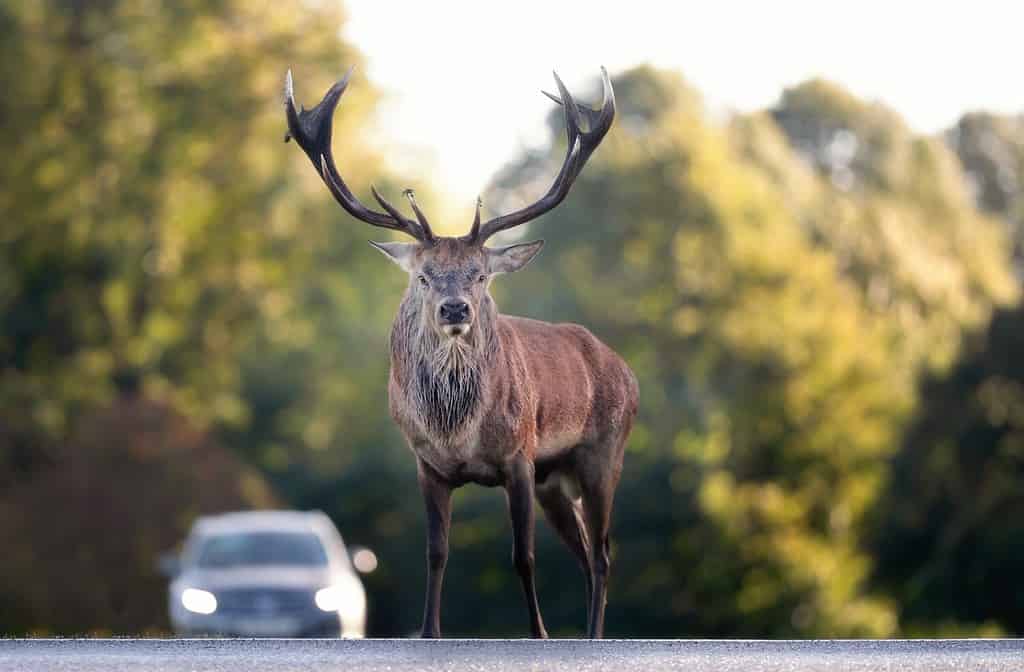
423	281
481	278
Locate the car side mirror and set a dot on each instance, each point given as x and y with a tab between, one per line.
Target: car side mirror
169	564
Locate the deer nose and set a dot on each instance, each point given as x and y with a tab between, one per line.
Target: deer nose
454	311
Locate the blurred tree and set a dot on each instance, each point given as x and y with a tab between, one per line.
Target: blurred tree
949	547
895	210
775	372
152	221
80	555
158	233
947	538
991	149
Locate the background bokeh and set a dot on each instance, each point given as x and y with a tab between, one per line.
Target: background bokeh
822	306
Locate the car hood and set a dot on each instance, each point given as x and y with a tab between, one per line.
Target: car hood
269	577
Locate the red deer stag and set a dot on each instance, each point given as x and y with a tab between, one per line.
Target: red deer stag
540	409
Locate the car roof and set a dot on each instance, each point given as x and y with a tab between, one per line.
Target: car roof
251	521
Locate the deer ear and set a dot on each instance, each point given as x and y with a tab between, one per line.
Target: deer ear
512	258
400	253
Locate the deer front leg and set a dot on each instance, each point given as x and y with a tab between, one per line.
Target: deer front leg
519	489
437	496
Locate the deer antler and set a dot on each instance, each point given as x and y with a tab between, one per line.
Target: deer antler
581	144
312	131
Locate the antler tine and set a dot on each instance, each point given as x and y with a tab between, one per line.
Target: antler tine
572	112
424	224
595	118
312	131
474	232
386	204
598	121
580	145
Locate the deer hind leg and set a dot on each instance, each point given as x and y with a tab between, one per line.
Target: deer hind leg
598	473
566	516
520	490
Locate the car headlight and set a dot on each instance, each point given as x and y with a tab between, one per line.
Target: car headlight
345	597
199	601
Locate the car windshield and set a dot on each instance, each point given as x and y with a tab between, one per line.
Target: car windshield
261	549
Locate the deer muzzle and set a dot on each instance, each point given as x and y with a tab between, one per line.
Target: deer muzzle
454	315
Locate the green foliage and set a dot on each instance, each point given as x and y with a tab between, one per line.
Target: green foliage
948	544
896	211
776	317
153	221
158	234
991	149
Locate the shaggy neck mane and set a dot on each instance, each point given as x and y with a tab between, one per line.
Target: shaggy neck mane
445	378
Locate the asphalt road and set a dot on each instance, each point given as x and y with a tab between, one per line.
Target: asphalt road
277	655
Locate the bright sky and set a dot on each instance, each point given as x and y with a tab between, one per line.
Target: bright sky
462	79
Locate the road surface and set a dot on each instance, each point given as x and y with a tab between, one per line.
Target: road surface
277	655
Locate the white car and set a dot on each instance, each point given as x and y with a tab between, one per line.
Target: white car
265	574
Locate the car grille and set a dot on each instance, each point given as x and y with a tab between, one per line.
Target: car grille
264	601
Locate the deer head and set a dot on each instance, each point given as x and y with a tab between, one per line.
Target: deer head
448	277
